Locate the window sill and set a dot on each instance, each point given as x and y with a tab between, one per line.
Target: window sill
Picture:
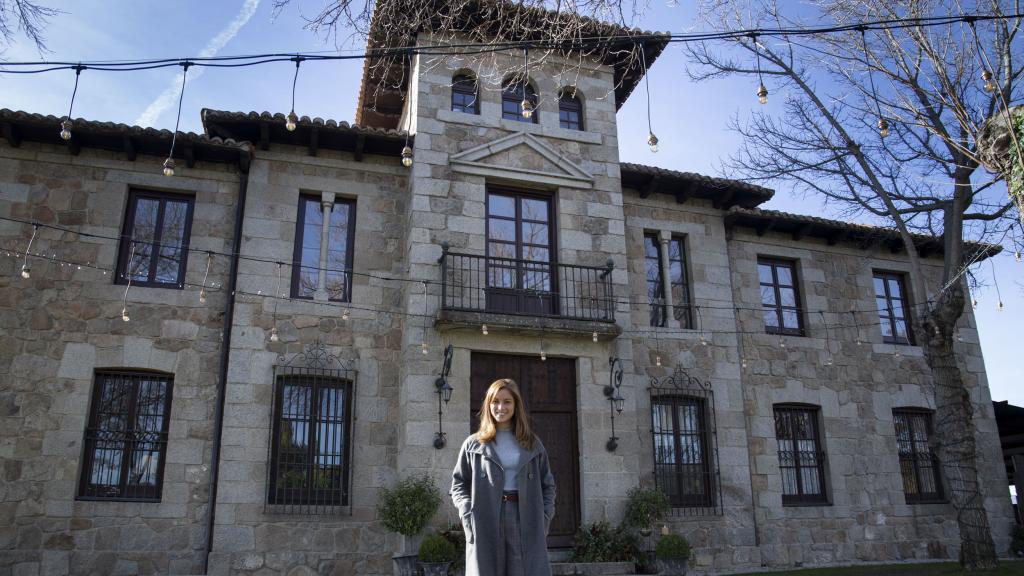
806	504
116	499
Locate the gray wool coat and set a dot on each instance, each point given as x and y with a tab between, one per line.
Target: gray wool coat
477	486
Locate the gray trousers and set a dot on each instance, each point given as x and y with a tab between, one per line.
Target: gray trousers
510	555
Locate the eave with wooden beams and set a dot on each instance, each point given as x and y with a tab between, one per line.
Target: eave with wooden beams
17	127
685	186
264	129
865	237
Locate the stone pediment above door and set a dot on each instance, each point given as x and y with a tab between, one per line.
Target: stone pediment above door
521	157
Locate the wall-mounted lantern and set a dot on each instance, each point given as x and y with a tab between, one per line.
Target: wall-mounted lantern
444	394
615	399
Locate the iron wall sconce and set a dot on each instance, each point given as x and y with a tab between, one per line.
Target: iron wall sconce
444	394
615	399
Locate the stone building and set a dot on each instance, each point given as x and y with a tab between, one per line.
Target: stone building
219	369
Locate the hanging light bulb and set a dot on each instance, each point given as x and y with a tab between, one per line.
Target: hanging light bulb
344	314
782	343
202	296
594	336
291	122
543	353
703	340
124	314
743	363
657	360
483	329
406	156
65	129
883	127
959	338
273	334
896	353
990	86
169	167
762	94
999	306
652	142
974	303
527	108
828	361
26	272
424	349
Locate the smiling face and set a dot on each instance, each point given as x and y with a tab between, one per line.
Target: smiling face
503	408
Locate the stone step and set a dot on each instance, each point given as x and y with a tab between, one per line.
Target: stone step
592	568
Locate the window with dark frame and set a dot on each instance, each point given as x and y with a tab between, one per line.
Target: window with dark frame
512	96
679	283
464	95
801	457
682	463
520	251
891	300
570	111
655	284
918	465
780	298
154	246
310	451
337	267
126	436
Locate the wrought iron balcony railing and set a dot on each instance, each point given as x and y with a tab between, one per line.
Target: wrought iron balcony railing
475	283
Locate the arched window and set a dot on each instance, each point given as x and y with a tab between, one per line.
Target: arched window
464	94
570	110
512	96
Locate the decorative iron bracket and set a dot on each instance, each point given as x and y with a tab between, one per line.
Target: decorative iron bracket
615	399
444	393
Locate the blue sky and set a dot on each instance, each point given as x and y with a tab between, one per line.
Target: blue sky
688	118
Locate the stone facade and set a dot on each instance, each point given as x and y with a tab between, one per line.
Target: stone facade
64	324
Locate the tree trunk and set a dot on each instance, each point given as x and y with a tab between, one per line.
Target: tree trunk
955	440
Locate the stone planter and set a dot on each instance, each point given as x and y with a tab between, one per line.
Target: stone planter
405	565
673	566
435	568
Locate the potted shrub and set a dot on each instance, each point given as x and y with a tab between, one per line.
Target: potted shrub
673	553
644	507
406	509
436	554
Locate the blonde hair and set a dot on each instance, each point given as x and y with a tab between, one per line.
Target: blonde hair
521	421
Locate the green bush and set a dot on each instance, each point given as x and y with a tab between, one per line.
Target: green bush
1017	540
599	542
408	506
437	548
672	546
645	507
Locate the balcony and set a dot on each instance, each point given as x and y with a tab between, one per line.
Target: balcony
525	295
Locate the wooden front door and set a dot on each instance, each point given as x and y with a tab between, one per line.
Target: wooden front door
549	391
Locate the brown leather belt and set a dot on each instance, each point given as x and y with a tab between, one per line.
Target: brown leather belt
510	497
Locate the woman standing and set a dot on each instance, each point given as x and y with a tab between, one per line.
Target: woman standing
504	490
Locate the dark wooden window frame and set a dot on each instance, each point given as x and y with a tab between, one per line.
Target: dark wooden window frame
309	500
569	103
900	278
130	437
802	497
912	460
704	468
300	225
682	310
125	245
465	85
658	315
779	308
552	246
512	92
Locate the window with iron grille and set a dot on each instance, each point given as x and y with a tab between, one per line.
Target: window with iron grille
891	300
801	457
126	436
655	285
311	445
570	111
918	465
512	96
780	300
330	272
464	95
154	247
682	462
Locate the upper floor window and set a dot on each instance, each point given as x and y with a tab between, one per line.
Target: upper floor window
570	111
655	286
512	96
677	281
126	436
682	462
464	94
780	301
918	465
329	224
801	456
154	246
520	242
891	299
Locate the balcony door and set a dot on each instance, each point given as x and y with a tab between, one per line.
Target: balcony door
520	245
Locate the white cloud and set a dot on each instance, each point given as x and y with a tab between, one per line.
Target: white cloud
169	97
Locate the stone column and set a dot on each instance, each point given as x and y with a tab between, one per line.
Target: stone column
326	206
664	238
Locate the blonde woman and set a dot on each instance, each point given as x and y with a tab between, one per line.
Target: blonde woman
504	491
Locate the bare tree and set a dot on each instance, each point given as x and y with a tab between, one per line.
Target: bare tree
25	16
883	124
